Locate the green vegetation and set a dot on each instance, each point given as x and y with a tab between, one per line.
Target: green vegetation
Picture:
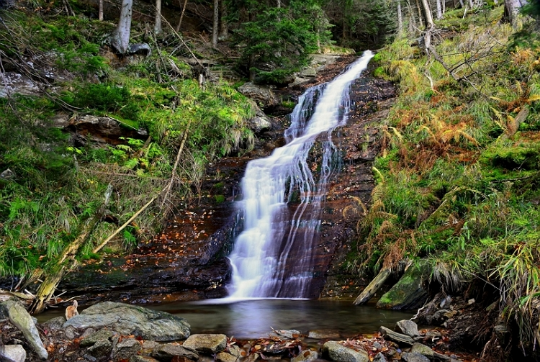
57	186
458	175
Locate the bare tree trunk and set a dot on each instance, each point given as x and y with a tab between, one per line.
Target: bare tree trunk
100	13
511	10
471	4
439	9
461	3
399	18
157	24
181	16
278	3
216	24
120	37
223	25
420	17
427	14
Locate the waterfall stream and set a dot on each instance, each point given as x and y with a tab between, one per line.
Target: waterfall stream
272	257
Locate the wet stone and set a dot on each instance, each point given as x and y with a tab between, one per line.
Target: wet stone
337	352
407	327
414	357
206	343
306	356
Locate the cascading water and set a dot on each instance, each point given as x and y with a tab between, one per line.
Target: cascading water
262	259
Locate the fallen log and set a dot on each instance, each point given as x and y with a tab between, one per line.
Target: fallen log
373	287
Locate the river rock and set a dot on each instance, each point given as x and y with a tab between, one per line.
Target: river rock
414	357
338	352
379	358
260	122
263	96
142	359
324	334
206	343
306	356
100	349
127	348
428	352
55	323
169	351
18	315
407	327
95	337
226	357
408	292
399	338
287	333
12	353
128	319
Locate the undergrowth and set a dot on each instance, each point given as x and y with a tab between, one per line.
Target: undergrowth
458	175
54	185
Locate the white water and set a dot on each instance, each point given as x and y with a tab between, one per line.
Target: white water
261	260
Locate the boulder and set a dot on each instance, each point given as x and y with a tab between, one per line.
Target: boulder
100	349
338	352
129	319
12	353
306	356
407	327
54	324
263	96
206	343
226	357
260	122
18	315
401	339
95	337
379	358
142	359
169	351
414	357
287	333
408	292
127	348
428	352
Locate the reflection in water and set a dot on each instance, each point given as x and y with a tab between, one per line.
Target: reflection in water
256	318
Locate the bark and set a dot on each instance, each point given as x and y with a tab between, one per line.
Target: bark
399	18
511	10
427	14
157	25
120	37
439	9
223	25
67	259
215	26
420	17
100	14
373	287
278	3
181	16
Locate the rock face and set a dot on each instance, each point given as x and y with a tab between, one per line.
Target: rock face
409	291
13	353
16	313
337	352
262	95
127	319
105	130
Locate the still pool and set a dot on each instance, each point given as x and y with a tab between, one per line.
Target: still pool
256	318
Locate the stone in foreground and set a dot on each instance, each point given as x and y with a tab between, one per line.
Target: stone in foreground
18	315
340	353
414	357
407	327
129	319
206	343
306	356
401	339
170	351
13	353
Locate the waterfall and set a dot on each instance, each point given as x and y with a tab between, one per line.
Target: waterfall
272	256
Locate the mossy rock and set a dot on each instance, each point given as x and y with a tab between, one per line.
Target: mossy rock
409	291
524	156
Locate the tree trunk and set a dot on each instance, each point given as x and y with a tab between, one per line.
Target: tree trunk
157	25
48	286
224	25
399	18
181	16
427	14
278	3
439	9
373	287
215	27
100	13
511	10
120	37
420	17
